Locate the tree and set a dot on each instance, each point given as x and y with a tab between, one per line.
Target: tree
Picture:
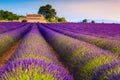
85	20
50	14
92	21
7	15
24	20
47	11
62	19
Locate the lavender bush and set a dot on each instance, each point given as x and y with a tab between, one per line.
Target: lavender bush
33	69
109	71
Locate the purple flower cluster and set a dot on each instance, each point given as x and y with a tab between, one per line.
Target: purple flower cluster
80	57
109	71
33	69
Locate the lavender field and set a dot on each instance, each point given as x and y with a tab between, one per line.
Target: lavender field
60	51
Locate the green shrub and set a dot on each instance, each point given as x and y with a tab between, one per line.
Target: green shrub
24	20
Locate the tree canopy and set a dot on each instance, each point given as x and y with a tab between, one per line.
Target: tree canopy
50	14
92	21
85	20
47	11
7	15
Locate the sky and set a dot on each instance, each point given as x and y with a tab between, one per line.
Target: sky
72	10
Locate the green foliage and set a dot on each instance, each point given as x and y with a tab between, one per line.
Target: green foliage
50	14
94	63
53	19
24	20
92	21
85	20
32	74
5	43
47	11
62	19
116	50
6	15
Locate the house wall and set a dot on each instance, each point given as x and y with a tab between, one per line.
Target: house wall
34	18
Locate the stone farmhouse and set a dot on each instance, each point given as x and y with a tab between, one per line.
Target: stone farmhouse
34	18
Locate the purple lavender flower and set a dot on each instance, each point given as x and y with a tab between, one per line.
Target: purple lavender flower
33	69
107	71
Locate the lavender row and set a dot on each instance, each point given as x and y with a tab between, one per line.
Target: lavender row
4	27
34	60
104	43
81	58
96	29
7	39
